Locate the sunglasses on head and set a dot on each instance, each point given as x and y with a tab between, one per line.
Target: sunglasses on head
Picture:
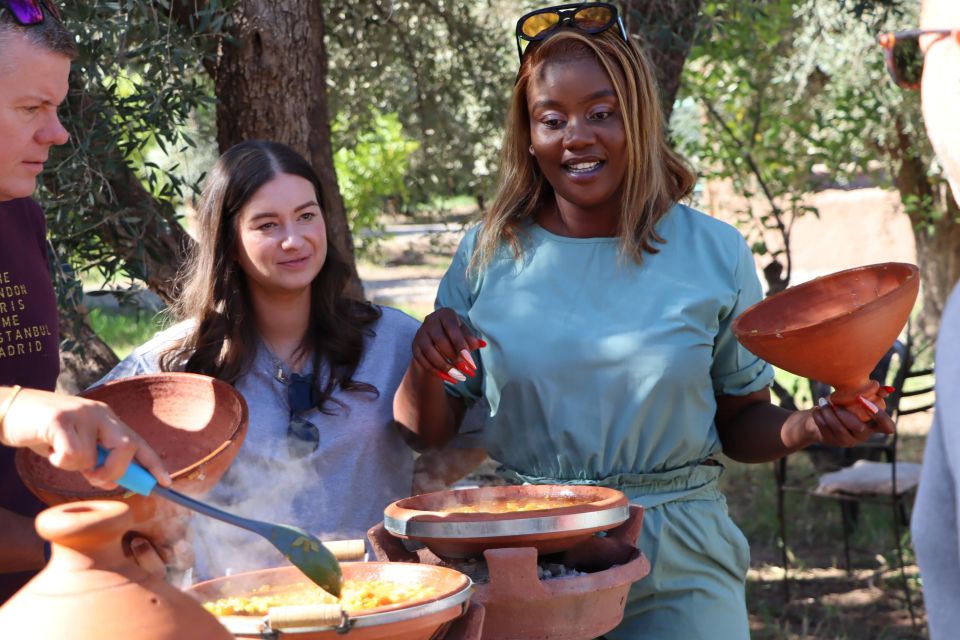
589	17
903	55
303	437
28	13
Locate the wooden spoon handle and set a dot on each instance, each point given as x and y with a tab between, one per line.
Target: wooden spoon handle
346	550
304	615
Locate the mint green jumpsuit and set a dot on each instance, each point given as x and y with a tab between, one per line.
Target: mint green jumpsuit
598	371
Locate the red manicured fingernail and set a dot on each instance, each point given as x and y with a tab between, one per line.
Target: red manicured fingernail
445	377
872	408
468	359
889	389
483	342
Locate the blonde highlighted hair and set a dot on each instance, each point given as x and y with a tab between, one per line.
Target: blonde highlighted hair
656	176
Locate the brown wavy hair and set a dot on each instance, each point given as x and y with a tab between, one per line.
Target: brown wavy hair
223	340
656	177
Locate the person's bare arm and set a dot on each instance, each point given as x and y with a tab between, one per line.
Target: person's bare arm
424	408
752	429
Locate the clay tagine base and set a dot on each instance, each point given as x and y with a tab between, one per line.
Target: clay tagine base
518	605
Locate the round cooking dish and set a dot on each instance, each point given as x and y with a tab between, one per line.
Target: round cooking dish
196	425
439	522
411	620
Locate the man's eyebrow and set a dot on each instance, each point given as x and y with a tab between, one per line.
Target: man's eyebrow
43	99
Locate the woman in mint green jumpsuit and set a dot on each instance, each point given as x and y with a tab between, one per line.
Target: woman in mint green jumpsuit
616	386
606	357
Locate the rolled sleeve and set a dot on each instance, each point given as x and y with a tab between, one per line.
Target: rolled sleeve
736	371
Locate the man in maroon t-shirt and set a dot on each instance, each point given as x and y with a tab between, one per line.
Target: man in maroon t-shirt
35	55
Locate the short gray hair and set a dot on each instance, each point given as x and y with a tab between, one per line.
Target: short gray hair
51	34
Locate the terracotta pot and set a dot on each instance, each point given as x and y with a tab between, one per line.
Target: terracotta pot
412	620
90	591
462	535
195	423
520	606
836	328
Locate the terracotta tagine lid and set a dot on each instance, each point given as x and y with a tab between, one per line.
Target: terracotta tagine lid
91	591
195	423
833	329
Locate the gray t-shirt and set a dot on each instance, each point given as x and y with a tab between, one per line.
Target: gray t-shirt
936	515
361	465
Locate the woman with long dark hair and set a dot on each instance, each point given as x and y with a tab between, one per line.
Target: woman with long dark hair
264	307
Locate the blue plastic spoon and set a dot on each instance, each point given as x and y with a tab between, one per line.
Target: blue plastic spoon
302	549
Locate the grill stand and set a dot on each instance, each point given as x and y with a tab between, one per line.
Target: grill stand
519	606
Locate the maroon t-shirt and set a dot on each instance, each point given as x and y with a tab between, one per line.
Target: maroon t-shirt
29	338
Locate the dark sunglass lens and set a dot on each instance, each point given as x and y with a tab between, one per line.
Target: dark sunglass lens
26	12
539	24
303	437
908	61
593	19
300	393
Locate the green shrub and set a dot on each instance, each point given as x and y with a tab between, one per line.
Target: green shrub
372	172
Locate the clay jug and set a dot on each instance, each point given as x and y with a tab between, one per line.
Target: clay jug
91	591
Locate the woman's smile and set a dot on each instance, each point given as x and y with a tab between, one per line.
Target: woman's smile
295	263
580	168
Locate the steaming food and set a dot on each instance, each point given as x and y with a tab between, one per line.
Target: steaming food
355	596
512	505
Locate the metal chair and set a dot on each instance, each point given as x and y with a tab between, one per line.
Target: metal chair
896	493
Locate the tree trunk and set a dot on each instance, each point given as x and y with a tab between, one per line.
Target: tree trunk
271	84
667	29
88	359
934	214
938	255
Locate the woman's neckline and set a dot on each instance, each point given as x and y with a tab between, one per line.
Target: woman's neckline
538	230
552	222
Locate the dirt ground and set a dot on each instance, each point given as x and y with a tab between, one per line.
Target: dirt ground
854	228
